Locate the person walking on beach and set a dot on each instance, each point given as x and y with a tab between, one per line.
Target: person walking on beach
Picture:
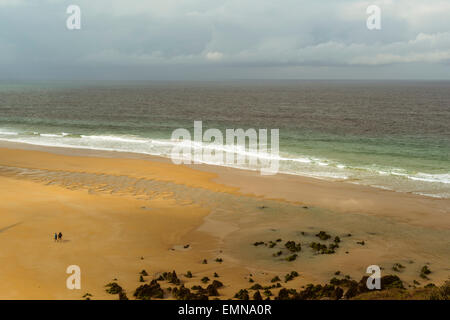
56	237
60	236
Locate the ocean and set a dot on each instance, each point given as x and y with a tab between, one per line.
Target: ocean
387	134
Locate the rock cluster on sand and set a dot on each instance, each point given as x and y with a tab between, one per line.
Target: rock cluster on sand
170	277
148	291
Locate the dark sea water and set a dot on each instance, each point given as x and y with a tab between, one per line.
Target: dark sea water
393	135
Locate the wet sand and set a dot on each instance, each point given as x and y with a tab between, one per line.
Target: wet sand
121	213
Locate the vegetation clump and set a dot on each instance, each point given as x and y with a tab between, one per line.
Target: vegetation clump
442	293
188	274
258	243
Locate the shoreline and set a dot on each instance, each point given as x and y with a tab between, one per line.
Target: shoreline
289	187
122	213
89	151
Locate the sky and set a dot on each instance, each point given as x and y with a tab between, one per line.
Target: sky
224	39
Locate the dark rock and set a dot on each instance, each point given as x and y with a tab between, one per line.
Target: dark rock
279	253
290	276
257	296
217	284
183	293
148	291
170	277
292	257
242	295
275	279
144	273
256	286
122	295
113	288
323	235
283	294
292	247
205	279
391	281
212	291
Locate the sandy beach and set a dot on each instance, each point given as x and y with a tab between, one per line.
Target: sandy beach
121	213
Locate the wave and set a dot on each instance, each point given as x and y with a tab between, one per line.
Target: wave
294	164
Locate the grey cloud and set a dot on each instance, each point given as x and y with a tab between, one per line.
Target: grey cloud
151	39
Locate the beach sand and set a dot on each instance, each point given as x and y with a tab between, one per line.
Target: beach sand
121	213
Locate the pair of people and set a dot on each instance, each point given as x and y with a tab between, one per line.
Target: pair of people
58	237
